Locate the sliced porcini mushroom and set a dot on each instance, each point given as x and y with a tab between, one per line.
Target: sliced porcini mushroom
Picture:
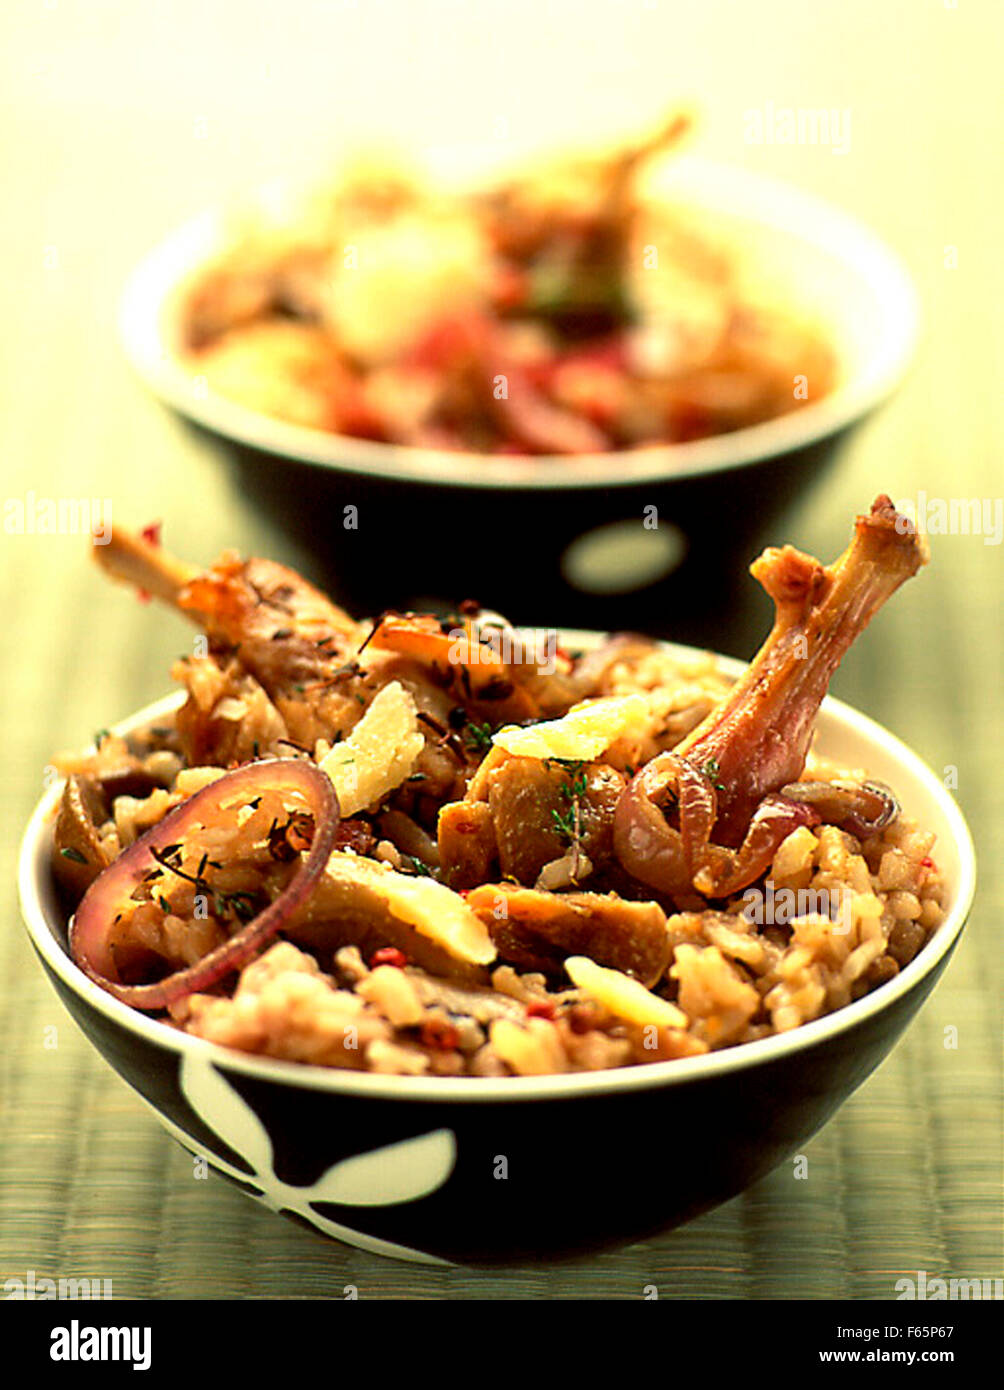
468	849
78	856
483	1005
534	803
359	902
536	930
128	779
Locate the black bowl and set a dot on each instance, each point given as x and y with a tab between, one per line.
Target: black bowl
481	1170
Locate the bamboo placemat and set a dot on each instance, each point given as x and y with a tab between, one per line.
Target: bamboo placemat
906	1178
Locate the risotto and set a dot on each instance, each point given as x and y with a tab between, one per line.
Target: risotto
443	846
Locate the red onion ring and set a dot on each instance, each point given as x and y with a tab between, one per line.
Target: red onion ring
91	924
861	808
647	847
724	871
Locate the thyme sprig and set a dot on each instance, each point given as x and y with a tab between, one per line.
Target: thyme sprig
567	820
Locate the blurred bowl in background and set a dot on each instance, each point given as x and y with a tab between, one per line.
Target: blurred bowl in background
567	536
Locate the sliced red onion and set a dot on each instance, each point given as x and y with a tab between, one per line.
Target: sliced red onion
648	848
726	871
90	929
861	808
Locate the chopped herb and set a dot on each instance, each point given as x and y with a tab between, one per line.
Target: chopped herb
342	673
373	632
417	866
576	788
243	905
711	770
70	852
164	905
100	735
478	737
566	823
277	599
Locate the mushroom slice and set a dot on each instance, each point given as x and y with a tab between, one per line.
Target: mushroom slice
78	855
360	902
536	930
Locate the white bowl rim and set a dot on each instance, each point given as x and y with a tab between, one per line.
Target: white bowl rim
643	1076
731	188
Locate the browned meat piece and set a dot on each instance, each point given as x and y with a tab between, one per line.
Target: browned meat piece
758	737
287	633
285	664
723	778
536	813
468	849
536	931
532	804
